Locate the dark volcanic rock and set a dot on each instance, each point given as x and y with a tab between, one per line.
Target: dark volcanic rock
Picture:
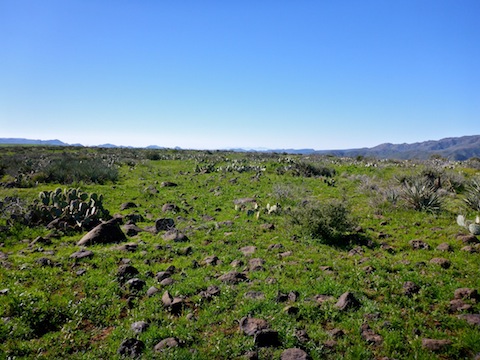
419	245
294	354
167	343
466	293
126	272
131	348
135	284
267	338
256	264
175	235
248	250
233	277
435	345
472	319
251	326
164	224
347	301
128	205
82	254
170	207
168	184
370	336
444	263
410	288
105	233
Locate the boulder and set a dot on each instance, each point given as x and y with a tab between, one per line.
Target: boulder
105	233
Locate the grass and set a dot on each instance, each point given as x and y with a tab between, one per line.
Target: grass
52	312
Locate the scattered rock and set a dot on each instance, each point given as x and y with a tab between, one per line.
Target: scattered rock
248	250
294	354
164	224
285	254
458	305
466	293
131	348
40	240
369	335
267	338
152	290
126	272
291	310
175	236
435	345
211	260
173	304
211	291
166	282
467	239
469	249
170	207
237	263
4	291
139	327
275	246
128	205
82	254
320	299
444	263
43	262
472	319
256	264
134	218
168	184
105	233
250	355
347	301
233	277
410	288
251	326
419	245
386	247
80	272
131	229
135	284
302	336
444	247
129	247
167	343
268	227
336	333
356	251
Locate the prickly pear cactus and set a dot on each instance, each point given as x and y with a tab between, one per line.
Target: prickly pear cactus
75	208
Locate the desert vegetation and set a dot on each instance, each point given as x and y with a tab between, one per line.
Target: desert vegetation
131	253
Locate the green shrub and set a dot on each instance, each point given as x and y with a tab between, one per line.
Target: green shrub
68	170
330	223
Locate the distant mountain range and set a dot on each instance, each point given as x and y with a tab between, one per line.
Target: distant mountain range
454	148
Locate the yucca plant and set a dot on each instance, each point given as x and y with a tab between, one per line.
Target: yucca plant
421	195
472	196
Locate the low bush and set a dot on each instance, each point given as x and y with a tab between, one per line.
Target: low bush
330	223
421	195
472	196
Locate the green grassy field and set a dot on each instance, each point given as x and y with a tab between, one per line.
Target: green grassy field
338	225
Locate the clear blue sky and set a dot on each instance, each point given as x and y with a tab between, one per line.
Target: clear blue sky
218	74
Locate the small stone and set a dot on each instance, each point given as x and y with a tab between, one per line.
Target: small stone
43	262
469	249
320	299
170	207
275	246
135	284
152	290
444	247
211	291
291	310
128	205
457	305
418	245
466	293
336	333
256	264
131	348
82	254
4	291
233	277
267	338
250	326
285	254
472	319
175	236
294	354
168	184
237	263
410	288
139	327
211	260
126	272
444	263
347	301
80	272
164	224
167	343
302	336
467	239
267	227
248	250
435	345
167	281
356	251
370	336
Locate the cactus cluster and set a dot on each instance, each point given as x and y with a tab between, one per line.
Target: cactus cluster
73	206
472	226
